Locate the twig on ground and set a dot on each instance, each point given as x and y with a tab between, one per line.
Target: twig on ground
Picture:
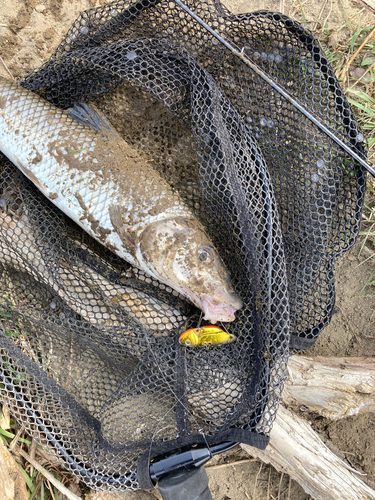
320	13
239	462
37	488
369	3
289	487
32	454
51	490
301	4
364	74
15	439
368	258
6	68
350	325
329	13
256	479
346	67
280	483
48	459
63	489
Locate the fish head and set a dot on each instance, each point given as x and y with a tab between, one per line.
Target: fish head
179	253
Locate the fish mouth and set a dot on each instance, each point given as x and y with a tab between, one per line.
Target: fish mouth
215	311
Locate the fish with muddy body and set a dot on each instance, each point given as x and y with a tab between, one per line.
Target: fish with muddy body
80	287
102	184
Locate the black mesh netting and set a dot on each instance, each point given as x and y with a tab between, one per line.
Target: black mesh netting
90	359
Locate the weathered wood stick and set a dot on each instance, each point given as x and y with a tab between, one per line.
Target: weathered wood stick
333	387
296	449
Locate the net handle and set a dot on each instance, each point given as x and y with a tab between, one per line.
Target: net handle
186	485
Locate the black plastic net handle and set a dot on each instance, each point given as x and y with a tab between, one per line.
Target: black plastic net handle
186	485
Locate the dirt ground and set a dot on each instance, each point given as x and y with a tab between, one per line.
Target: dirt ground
29	32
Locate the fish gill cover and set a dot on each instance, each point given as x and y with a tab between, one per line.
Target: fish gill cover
90	356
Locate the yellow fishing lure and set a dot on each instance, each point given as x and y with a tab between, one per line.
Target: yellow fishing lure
206	335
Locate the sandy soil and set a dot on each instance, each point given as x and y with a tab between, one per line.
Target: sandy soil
29	31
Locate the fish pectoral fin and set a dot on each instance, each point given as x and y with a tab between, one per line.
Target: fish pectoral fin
89	115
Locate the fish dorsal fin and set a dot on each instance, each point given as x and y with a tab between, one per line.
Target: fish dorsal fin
91	116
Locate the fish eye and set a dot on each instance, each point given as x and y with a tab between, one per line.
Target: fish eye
205	254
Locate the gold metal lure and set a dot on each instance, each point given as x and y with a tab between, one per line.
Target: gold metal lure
206	335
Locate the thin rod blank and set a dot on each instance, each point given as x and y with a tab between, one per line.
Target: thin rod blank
279	89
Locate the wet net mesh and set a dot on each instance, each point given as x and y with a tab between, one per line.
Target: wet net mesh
90	358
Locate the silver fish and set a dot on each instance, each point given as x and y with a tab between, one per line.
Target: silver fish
23	254
101	183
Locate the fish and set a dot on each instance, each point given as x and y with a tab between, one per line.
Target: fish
79	286
103	184
206	335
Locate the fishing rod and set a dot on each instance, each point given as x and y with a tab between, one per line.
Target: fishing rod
240	54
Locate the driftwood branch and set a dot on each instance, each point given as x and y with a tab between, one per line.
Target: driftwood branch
297	450
333	387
